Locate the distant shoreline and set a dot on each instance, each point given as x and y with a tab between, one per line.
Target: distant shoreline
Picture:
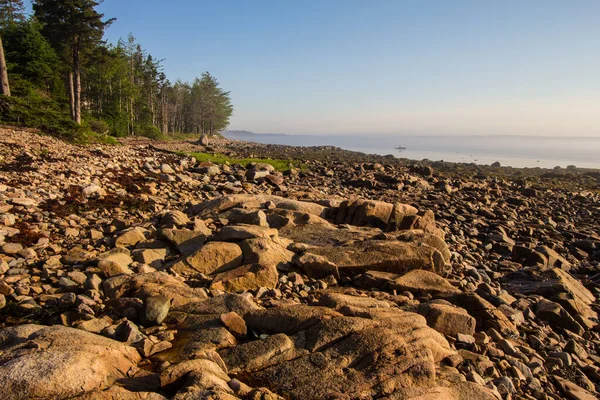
249	133
515	151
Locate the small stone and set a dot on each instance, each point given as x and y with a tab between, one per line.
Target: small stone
507	347
95	325
11	248
574	348
235	324
67	300
481	338
475	377
67	284
115	264
505	386
130	238
166	169
3	267
462	338
156	310
562	355
128	332
23	201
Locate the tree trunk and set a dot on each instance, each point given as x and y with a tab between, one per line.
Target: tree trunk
77	91
165	123
76	82
3	72
71	96
132	84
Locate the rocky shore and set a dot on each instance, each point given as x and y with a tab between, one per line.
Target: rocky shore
137	272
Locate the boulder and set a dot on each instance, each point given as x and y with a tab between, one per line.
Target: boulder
448	319
555	260
330	355
573	391
247	277
77	255
130	237
415	281
425	222
557	316
60	362
185	240
379	255
195	376
266	252
212	258
174	218
204	140
428	239
374	213
114	264
235	324
156	309
259	354
151	284
316	266
152	257
119	393
486	315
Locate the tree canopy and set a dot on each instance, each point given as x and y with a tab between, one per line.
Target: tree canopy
57	60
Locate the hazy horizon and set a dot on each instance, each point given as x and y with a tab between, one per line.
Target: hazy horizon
436	67
405	134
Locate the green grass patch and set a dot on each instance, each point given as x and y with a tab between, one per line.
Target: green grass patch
279	165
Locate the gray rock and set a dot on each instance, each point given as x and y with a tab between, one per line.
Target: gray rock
156	309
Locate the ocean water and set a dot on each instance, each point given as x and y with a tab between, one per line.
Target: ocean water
515	151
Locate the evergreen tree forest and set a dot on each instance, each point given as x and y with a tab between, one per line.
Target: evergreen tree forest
59	75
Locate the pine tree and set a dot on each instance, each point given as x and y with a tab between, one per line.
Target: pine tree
11	11
30	56
74	28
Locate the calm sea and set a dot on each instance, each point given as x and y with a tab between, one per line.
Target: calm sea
516	151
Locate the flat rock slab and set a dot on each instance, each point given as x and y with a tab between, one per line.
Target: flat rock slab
415	281
380	255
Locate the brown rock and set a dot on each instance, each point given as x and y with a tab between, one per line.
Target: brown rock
316	266
235	324
415	281
143	286
266	252
388	256
60	362
448	319
247	277
186	241
130	237
212	258
115	264
232	233
152	257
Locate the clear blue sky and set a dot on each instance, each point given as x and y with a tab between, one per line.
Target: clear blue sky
384	66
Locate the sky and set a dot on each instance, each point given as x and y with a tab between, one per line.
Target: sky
423	67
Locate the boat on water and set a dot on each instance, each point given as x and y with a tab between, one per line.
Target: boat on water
401	147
